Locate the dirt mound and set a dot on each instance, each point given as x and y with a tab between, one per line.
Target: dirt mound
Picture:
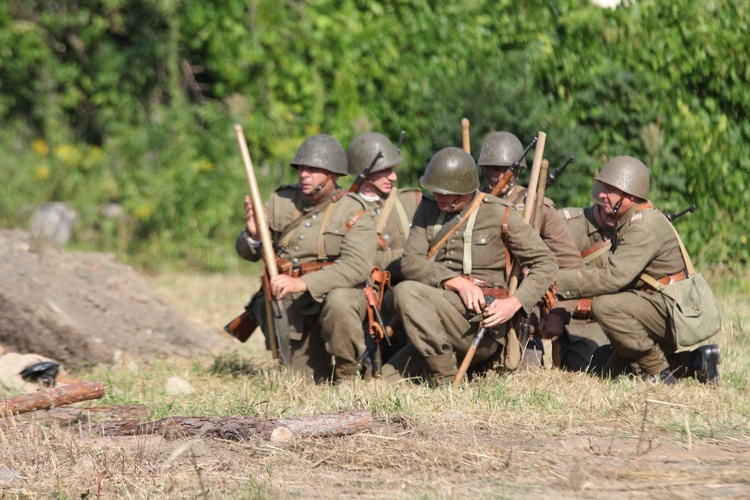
84	308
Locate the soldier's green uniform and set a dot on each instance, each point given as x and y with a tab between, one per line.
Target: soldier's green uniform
435	319
632	315
584	336
392	214
339	230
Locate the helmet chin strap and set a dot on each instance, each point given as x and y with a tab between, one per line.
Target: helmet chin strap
455	202
320	186
617	206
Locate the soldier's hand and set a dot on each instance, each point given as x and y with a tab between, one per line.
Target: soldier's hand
471	295
252	227
283	284
500	311
552	326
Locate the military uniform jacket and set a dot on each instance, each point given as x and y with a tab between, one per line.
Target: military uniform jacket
352	249
645	242
586	232
554	231
486	246
395	230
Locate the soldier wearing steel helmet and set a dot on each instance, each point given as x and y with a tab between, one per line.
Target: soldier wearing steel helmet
328	240
499	151
632	314
454	258
392	210
586	346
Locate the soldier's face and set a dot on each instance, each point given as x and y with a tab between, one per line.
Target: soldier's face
310	178
383	180
494	174
612	197
453	203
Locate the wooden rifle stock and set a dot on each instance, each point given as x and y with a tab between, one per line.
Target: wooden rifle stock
280	322
465	136
513	170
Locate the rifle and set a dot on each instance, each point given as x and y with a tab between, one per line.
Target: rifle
465	137
673	216
400	141
513	170
276	314
513	348
362	176
552	178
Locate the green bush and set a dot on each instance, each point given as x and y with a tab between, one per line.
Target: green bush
132	103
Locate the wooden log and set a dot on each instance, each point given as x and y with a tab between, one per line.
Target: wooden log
51	398
71	414
236	428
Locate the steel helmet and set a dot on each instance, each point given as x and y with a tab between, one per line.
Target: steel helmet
451	171
627	174
364	148
322	151
501	149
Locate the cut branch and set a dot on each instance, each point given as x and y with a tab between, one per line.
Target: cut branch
51	398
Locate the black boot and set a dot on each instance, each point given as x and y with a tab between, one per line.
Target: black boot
705	363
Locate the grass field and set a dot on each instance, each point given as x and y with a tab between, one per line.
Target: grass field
530	434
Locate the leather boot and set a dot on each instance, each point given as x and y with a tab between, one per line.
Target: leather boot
345	371
705	364
654	366
443	367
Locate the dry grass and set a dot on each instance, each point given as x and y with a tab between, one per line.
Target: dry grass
534	434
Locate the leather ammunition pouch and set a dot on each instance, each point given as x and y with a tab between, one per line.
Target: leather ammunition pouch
583	309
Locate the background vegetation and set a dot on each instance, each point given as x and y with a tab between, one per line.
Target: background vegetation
132	103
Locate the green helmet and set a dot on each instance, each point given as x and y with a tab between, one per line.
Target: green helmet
451	171
322	151
501	149
365	147
627	174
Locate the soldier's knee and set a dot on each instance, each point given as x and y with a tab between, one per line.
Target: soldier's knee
405	292
604	306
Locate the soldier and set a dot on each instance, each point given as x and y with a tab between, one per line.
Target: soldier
498	153
632	314
393	211
592	236
327	239
454	259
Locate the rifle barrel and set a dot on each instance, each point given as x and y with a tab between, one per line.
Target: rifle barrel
551	178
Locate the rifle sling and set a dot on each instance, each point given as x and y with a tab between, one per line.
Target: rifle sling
448	231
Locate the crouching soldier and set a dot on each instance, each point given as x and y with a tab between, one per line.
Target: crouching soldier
324	240
454	264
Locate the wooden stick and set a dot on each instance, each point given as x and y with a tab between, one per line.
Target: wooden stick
51	398
465	137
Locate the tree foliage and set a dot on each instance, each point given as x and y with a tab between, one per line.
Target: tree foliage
132	102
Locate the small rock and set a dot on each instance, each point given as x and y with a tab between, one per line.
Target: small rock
84	464
176	385
281	435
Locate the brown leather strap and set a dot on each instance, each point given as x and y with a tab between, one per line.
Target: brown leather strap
474	205
336	196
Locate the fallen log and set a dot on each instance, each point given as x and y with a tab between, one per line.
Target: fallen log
69	414
51	398
237	428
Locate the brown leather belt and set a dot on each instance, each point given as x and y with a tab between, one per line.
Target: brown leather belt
583	306
668	280
493	289
297	270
